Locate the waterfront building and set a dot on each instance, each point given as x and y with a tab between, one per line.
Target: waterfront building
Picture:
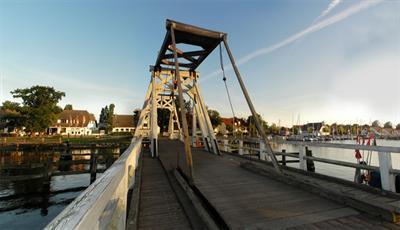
123	123
74	122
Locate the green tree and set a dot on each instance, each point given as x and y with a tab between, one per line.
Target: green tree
11	113
274	129
136	114
388	125
68	107
11	106
376	123
252	125
39	106
214	117
309	130
355	129
296	130
398	126
341	130
106	117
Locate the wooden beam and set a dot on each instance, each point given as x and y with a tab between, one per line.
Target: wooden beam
186	54
180	54
186	65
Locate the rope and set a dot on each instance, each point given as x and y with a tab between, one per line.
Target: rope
226	88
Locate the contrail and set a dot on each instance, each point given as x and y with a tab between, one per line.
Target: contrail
330	7
365	4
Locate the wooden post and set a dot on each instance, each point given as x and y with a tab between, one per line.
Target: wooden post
283	157
302	161
260	129
310	163
153	116
385	165
188	151
93	166
194	126
240	147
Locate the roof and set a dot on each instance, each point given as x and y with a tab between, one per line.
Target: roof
206	41
227	121
122	121
75	118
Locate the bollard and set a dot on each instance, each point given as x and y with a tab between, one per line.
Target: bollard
240	147
93	166
283	157
302	161
310	163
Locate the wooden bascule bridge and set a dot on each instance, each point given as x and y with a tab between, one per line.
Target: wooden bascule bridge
166	181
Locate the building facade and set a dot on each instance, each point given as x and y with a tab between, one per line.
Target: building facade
74	122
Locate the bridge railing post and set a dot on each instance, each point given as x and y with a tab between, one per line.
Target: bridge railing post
302	161
240	147
226	145
263	154
385	165
283	157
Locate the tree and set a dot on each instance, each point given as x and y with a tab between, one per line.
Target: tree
388	125
398	126
11	106
376	123
341	130
106	117
296	130
252	125
68	107
355	129
274	129
39	106
214	117
136	114
11	114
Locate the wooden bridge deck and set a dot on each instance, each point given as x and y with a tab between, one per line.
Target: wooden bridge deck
248	200
158	206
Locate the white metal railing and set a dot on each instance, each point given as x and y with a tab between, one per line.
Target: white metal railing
103	204
387	173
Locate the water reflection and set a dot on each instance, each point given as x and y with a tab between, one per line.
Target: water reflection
36	185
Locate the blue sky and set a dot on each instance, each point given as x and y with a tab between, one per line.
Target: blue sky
98	52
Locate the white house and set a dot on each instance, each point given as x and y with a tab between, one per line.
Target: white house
123	123
74	122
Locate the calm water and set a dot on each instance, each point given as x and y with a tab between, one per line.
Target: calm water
342	155
27	200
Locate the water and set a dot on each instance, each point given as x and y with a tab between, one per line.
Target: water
342	155
27	199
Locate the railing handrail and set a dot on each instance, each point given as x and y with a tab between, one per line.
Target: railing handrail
87	209
386	170
378	148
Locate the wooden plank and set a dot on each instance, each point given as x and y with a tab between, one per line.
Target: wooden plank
158	206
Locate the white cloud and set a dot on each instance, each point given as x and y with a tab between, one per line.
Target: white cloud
311	29
330	7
